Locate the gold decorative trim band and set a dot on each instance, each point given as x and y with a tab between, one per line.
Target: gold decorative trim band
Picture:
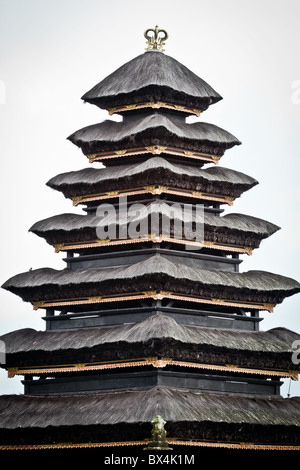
154	105
226	247
155	362
155	150
156	295
155	239
232	445
154	189
173	441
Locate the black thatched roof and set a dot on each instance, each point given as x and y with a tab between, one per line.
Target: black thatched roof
278	340
155	273
173	405
153	129
155	170
236	229
152	76
156	336
126	416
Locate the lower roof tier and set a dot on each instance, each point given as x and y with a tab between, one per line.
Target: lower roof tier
131	345
155	219
125	416
155	277
100	141
93	183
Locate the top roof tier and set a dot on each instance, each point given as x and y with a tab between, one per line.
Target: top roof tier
152	79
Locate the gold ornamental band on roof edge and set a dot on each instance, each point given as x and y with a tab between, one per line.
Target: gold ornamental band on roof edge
155	150
170	440
155	362
152	238
156	295
155	105
153	189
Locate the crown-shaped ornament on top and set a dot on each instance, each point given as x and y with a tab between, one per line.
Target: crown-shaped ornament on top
155	38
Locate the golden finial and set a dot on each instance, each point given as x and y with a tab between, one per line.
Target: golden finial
157	39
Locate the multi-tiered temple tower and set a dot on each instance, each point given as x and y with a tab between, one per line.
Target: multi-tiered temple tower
145	322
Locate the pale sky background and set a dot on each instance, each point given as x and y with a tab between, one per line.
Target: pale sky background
53	51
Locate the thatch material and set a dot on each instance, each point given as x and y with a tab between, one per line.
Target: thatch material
156	336
152	76
155	170
174	405
155	273
126	415
236	229
153	129
278	340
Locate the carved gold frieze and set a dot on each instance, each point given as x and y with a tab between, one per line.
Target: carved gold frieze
156	238
157	362
155	105
156	295
174	441
155	150
153	189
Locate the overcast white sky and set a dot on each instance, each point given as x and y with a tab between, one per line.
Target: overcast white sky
53	51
